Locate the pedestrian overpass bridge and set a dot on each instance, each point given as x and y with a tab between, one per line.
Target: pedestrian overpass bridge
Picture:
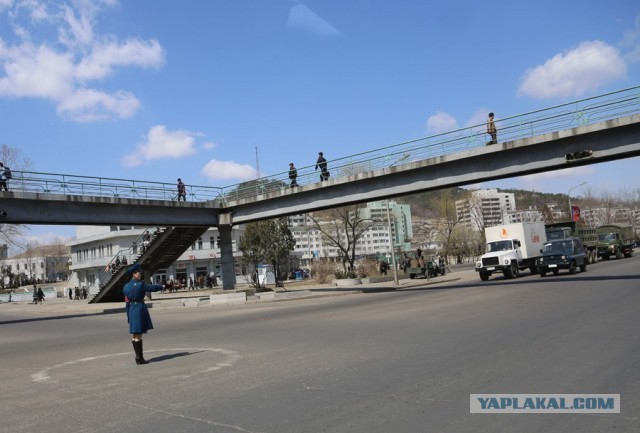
589	131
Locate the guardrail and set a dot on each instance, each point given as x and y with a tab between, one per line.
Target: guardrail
577	113
51	183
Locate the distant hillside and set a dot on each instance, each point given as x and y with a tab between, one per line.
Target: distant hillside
422	203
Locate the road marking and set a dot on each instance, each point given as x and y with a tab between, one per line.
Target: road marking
230	358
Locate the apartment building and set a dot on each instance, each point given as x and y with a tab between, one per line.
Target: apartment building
485	208
376	241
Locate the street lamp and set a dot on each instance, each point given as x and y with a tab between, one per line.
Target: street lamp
569	194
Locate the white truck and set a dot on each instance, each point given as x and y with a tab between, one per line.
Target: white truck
511	248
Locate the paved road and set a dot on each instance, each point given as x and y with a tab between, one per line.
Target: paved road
385	361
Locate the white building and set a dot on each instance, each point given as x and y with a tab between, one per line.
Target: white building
485	208
376	241
529	215
95	246
45	263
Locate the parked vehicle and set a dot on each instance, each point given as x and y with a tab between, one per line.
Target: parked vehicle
568	253
569	229
615	240
511	248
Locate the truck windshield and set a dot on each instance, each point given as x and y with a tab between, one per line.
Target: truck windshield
499	246
607	237
559	247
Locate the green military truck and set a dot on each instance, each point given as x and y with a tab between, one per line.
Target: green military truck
615	240
569	229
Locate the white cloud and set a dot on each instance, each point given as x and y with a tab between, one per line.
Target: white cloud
104	56
209	145
441	122
5	4
160	144
37	72
66	71
223	170
88	105
303	18
586	68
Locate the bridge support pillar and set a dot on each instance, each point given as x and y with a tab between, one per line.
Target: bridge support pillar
226	253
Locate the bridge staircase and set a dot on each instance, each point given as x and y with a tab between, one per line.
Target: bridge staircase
165	246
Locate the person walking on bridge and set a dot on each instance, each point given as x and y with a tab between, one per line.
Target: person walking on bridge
293	175
321	164
137	312
5	175
491	130
181	190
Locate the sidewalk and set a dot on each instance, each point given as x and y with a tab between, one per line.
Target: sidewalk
203	298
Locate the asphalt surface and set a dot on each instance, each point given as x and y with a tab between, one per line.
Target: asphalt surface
386	359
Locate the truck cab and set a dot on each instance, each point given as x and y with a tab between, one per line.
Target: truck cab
511	248
501	256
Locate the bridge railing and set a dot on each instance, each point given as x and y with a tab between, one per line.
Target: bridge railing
51	183
573	114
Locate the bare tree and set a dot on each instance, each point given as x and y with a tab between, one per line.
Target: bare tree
445	207
342	227
12	157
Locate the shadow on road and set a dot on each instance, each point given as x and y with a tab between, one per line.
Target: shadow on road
172	356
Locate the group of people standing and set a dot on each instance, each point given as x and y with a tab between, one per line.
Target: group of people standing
80	293
321	164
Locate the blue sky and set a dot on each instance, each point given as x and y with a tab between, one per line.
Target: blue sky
157	90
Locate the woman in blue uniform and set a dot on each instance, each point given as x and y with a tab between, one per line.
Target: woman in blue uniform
137	312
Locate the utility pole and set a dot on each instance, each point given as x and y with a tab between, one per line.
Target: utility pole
257	164
391	245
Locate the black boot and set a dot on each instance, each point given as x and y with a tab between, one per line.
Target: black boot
137	347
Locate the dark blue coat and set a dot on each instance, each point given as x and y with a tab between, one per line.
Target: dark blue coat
137	312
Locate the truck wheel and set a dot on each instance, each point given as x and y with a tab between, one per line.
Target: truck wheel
412	276
572	267
514	271
484	276
605	256
583	267
629	254
618	253
555	272
543	274
533	269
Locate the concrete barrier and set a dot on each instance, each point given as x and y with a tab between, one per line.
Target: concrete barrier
347	282
228	298
265	296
